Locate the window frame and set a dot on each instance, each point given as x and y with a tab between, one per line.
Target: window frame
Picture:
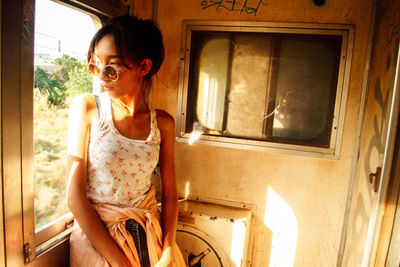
333	151
62	226
18	120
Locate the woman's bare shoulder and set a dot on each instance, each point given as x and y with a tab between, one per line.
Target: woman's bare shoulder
83	106
164	119
84	101
166	124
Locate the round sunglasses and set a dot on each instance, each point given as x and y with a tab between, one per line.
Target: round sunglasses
109	71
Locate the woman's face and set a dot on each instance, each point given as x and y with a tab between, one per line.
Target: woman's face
130	81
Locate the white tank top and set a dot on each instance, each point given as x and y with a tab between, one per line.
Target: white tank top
119	168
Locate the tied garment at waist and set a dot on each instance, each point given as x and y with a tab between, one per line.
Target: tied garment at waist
82	253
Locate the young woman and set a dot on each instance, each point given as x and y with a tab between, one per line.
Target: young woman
115	141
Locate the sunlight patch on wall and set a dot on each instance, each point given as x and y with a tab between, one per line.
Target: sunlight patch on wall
238	241
187	189
193	137
281	220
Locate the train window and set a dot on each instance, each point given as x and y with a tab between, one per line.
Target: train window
62	36
264	86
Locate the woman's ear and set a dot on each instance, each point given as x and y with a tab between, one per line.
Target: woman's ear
145	66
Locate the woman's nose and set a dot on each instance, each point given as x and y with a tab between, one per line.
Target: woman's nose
103	76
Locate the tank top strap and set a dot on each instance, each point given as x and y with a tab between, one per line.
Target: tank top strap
155	132
153	118
97	105
104	109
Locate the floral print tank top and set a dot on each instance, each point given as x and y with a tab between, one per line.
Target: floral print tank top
119	168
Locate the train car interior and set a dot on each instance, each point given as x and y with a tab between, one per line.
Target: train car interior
286	127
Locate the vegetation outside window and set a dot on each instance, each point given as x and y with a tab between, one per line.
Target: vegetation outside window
62	36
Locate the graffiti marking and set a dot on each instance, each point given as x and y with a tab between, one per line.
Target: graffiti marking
233	6
392	17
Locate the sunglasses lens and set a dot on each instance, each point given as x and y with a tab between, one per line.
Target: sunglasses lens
110	72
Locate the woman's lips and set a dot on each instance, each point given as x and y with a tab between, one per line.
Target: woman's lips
107	88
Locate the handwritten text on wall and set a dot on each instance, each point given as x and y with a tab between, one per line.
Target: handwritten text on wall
242	6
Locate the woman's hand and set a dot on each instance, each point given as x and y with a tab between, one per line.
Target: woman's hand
167	259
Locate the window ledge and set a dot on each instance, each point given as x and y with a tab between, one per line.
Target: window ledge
264	146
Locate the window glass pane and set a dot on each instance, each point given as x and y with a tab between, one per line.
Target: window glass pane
249	83
212	83
305	89
263	86
62	36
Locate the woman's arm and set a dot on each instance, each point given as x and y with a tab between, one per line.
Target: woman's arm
82	109
169	208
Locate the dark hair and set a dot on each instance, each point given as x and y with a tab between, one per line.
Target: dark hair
135	39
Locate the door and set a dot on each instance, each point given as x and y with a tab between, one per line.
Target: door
377	131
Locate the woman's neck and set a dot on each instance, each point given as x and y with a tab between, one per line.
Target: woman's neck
131	105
